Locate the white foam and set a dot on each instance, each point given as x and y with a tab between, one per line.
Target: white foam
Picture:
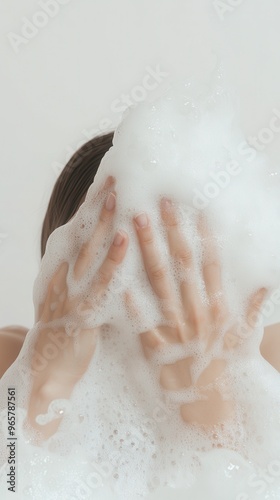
121	434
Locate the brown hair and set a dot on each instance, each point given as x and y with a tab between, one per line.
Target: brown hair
72	184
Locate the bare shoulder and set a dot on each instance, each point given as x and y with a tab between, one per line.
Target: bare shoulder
11	340
270	346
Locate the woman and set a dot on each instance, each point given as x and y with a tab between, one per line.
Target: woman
68	194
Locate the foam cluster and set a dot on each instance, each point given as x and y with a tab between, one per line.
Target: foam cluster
122	434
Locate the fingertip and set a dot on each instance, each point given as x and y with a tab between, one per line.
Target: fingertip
262	294
104	186
109	182
120	238
141	220
165	203
168	212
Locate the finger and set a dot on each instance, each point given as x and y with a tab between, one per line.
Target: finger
254	307
179	249
154	266
109	184
212	274
177	375
194	310
59	279
233	337
57	288
209	412
130	305
60	291
236	334
153	340
88	249
110	181
114	258
196	313
150	339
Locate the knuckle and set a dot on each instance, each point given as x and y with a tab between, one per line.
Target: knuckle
114	255
84	251
104	276
217	310
184	257
157	271
113	258
198	320
105	215
147	237
211	265
170	220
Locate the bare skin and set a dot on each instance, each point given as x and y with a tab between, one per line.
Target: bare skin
57	379
12	338
11	341
67	368
192	317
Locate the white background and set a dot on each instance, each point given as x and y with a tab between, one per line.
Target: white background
58	86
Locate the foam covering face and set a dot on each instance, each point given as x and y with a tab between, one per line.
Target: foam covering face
151	401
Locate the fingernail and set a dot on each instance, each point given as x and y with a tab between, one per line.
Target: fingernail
110	202
141	220
119	238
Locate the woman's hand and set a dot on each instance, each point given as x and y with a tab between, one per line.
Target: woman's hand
61	355
193	317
